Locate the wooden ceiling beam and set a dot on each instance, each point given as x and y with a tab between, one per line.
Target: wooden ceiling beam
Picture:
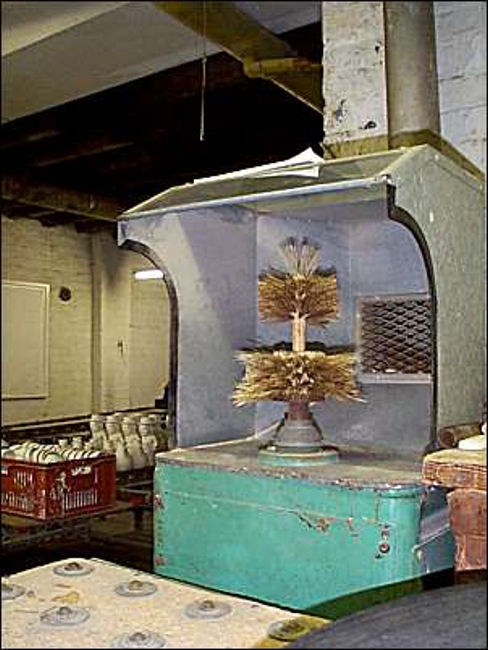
84	150
237	122
59	199
190	157
150	178
22	140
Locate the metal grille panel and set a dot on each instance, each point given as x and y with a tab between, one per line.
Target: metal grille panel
395	335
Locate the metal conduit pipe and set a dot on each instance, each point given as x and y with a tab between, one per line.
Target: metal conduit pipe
411	73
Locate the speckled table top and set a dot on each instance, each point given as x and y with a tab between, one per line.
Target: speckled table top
117	602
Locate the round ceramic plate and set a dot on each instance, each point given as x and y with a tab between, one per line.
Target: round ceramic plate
73	568
207	609
64	615
139	639
135	588
287	630
11	591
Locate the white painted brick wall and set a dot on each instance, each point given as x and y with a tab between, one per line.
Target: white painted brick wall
461	64
60	256
354	71
354	88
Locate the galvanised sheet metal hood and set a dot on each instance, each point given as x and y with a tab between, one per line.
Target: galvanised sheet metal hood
400	223
268	186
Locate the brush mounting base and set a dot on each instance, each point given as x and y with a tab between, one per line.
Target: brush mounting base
273	456
299	433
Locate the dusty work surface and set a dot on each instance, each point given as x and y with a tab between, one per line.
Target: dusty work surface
366	467
112	614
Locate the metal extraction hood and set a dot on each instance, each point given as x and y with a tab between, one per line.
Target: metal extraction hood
398	225
267	186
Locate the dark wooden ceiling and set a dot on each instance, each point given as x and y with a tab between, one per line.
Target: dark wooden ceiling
123	145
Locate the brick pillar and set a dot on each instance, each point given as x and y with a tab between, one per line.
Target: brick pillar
354	79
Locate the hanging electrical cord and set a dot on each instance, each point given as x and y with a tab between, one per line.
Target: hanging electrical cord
204	72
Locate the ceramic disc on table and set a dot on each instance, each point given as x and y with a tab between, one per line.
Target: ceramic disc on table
11	591
73	568
287	630
207	609
139	639
135	588
64	615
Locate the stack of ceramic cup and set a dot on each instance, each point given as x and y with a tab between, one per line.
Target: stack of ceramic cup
118	434
103	437
116	443
133	442
97	429
33	452
45	454
134	438
159	432
77	449
149	439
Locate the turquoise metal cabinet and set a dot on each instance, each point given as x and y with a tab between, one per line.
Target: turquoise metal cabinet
295	536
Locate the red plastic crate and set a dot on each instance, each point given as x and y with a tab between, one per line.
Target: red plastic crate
58	490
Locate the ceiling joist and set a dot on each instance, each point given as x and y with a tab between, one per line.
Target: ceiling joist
262	53
86	161
58	199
